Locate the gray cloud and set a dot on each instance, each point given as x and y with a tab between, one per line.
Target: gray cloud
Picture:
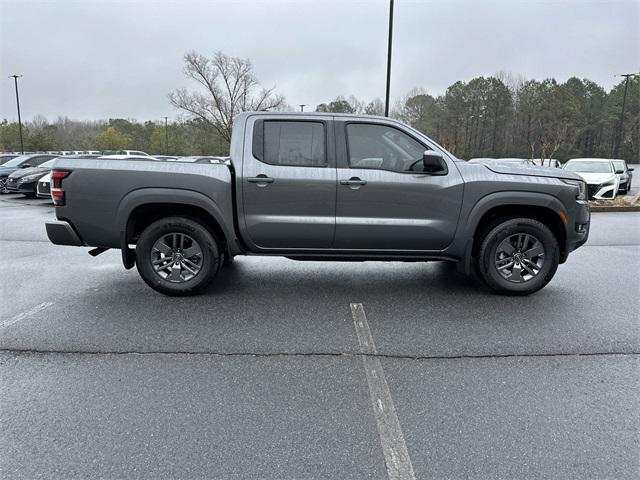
99	59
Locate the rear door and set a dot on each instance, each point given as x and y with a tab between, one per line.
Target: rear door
385	200
289	182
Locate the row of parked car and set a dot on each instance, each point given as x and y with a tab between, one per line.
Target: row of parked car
30	174
605	177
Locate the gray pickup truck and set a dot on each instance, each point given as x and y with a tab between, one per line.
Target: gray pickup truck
322	187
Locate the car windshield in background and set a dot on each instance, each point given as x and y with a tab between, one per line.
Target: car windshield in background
6	158
47	164
16	161
588	167
619	164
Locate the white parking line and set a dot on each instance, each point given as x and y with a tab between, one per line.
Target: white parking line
23	315
394	448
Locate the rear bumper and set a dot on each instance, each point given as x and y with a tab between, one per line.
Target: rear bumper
62	233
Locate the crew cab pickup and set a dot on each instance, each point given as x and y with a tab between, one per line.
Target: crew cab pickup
322	187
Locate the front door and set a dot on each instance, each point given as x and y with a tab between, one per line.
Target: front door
289	183
385	200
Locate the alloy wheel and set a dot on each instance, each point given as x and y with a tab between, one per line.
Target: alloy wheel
176	257
519	257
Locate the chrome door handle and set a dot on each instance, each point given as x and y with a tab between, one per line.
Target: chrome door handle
353	181
262	178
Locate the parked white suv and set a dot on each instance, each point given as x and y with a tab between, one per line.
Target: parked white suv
600	175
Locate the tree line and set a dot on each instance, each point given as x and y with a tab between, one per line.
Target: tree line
497	116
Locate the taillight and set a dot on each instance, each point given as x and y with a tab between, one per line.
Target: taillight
57	193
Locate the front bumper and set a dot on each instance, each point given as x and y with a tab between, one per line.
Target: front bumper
599	192
14	186
62	233
578	227
44	189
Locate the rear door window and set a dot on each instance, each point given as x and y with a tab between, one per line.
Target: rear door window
294	143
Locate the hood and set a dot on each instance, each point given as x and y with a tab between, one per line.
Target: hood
23	172
597	178
531	171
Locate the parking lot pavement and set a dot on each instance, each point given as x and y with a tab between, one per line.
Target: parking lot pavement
261	376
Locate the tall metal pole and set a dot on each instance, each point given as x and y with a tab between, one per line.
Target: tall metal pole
618	136
166	137
15	80
390	39
302	107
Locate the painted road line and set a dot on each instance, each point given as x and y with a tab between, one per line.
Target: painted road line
394	448
23	315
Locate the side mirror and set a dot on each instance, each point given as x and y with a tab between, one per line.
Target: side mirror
630	169
433	162
618	172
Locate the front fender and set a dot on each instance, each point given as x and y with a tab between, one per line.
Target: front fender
470	219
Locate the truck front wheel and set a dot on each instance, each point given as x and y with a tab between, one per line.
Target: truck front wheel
177	256
518	256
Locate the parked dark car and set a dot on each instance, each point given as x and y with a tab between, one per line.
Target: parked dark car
625	177
21	161
25	180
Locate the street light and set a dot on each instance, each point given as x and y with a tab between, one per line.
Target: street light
390	38
166	137
619	132
15	80
302	106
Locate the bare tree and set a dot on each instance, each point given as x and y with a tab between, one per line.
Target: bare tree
230	87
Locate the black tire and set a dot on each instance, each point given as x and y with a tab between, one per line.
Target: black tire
515	282
208	260
29	195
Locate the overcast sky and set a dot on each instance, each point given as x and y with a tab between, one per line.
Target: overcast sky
95	59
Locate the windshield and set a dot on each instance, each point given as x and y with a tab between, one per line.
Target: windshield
16	161
588	167
619	164
47	164
6	158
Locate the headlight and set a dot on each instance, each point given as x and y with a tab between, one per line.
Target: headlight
582	188
609	182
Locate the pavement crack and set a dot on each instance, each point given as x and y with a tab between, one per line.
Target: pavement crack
20	351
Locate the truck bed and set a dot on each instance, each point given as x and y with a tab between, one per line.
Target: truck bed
101	194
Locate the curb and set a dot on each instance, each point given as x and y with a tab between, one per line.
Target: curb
602	208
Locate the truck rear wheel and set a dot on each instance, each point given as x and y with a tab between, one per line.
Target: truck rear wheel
519	256
177	256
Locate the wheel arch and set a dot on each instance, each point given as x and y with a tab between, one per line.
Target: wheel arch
142	207
540	206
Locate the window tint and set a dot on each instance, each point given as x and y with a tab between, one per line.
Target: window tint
294	144
384	148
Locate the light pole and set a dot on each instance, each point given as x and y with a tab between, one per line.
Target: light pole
619	132
166	137
302	107
15	80
390	39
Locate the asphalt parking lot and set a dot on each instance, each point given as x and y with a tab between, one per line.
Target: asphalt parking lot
264	375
